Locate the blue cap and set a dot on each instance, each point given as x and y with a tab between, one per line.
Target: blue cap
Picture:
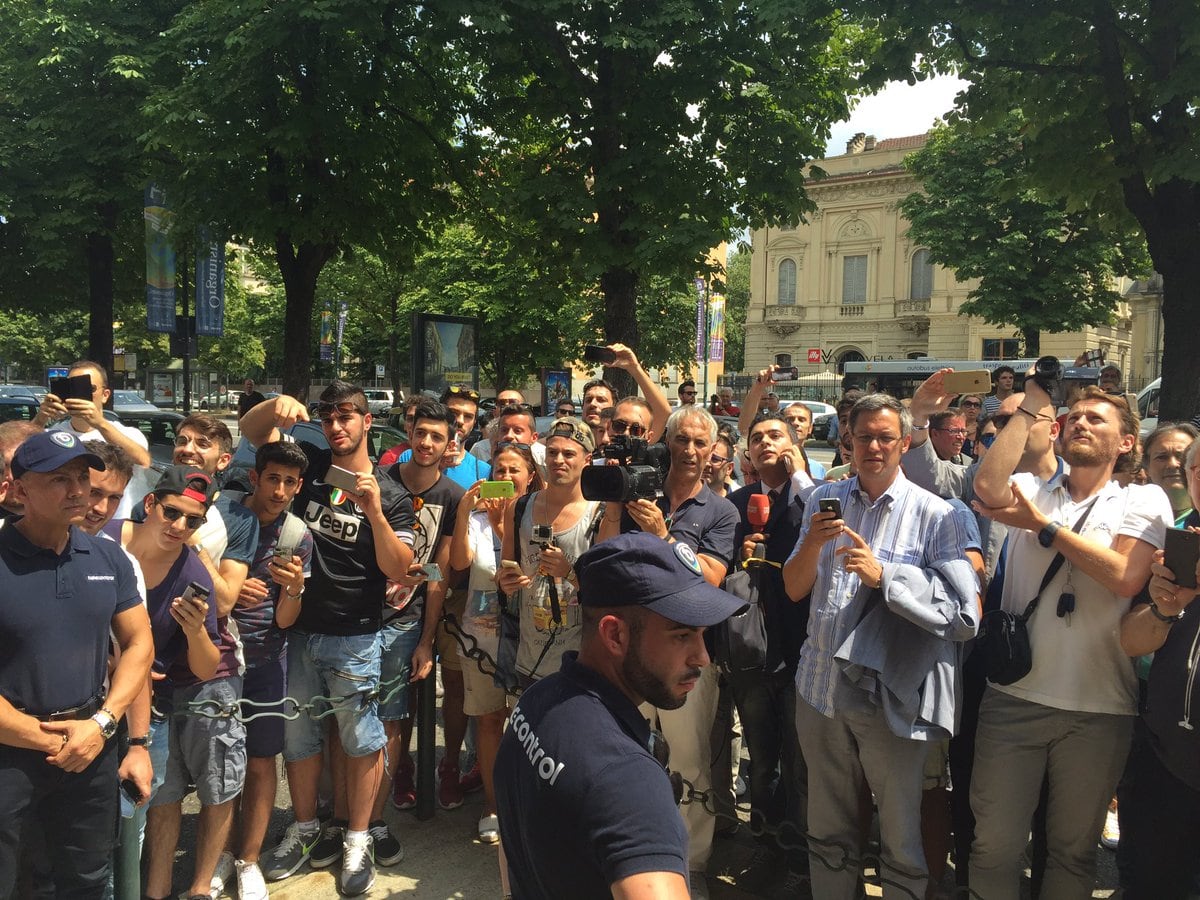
639	569
49	451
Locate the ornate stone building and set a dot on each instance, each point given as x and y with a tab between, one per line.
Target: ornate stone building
850	283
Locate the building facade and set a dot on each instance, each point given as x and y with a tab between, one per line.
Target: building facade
850	284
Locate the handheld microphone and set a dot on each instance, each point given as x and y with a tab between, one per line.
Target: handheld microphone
759	510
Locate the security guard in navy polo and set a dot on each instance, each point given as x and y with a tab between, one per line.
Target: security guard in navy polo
61	591
585	801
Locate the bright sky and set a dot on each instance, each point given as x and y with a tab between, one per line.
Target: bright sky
898	110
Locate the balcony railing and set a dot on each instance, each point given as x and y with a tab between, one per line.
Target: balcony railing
856	310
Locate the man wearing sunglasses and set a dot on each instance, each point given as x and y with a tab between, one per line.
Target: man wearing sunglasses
1070	718
361	538
586	803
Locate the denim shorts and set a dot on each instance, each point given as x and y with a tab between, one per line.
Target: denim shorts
344	668
397	643
207	752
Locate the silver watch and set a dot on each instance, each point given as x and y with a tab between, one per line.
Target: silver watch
106	722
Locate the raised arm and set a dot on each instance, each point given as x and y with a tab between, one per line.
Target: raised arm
750	404
660	407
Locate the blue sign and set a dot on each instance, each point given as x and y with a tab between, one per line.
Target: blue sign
160	262
210	286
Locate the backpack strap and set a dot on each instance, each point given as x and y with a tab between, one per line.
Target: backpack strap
292	531
518	514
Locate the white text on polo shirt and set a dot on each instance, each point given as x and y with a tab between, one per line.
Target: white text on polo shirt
102	578
547	769
337	526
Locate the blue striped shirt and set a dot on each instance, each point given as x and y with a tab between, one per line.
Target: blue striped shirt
905	525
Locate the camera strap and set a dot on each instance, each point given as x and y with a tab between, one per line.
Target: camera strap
1055	565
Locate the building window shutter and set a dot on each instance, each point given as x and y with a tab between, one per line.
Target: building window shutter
854	280
787	283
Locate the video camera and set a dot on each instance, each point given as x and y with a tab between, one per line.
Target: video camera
639	474
1059	381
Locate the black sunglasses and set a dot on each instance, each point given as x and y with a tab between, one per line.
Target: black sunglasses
510	445
620	426
172	514
327	410
661	751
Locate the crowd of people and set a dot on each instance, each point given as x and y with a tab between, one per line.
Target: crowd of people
185	636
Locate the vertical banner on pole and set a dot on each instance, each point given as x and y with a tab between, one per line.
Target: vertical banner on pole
716	330
326	335
160	262
700	315
210	285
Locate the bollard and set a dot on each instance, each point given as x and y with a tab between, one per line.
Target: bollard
426	745
127	874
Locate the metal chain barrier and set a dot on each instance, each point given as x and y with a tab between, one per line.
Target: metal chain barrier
786	836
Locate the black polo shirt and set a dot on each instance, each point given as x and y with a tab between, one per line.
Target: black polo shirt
706	523
55	613
582	802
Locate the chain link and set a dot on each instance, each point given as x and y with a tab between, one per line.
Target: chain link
786	836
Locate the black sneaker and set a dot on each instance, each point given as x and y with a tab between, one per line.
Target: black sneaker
328	848
388	851
358	868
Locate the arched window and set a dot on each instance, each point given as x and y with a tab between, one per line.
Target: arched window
787	282
921	284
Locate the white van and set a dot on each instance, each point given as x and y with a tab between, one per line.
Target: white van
1147	407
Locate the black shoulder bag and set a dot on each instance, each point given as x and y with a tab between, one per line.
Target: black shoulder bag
1003	638
505	676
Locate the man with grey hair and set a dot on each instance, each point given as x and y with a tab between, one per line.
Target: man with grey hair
688	512
892	598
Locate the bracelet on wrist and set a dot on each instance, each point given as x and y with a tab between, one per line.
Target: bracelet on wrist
1162	617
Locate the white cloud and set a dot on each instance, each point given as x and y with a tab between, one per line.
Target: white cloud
900	109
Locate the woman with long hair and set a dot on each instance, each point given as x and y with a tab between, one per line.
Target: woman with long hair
970	405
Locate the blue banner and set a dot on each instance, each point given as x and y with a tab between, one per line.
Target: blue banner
210	286
160	262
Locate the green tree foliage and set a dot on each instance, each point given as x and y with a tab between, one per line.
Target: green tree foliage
639	136
1109	91
737	303
1041	266
308	128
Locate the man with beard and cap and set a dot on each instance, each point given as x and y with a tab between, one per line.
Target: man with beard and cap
586	801
1069	719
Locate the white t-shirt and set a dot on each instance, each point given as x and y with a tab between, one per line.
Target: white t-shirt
1078	663
481	618
139	484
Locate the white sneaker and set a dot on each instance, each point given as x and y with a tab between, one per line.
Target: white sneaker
250	881
1111	835
489	829
222	874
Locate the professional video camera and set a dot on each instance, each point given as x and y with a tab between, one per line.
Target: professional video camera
639	474
1060	381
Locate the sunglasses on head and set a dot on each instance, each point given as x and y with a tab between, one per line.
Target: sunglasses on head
469	393
620	426
326	410
172	514
511	445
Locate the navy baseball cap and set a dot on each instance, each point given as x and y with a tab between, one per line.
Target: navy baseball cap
49	451
639	569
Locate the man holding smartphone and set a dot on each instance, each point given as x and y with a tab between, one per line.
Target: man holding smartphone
65	592
361	538
1070	718
892	598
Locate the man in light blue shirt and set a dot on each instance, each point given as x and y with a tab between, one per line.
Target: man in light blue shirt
892	598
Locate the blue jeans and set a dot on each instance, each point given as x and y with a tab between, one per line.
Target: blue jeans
397	643
344	669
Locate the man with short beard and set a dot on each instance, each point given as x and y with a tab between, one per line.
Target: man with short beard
1070	718
590	814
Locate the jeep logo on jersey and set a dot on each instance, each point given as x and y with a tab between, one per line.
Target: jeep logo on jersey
338	526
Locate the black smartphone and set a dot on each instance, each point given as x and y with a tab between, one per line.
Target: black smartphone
130	791
595	354
830	505
77	387
197	593
1181	553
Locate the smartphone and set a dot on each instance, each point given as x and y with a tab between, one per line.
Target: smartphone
595	354
283	554
196	593
1181	553
432	571
341	478
509	564
77	387
497	490
130	791
787	373
973	381
830	505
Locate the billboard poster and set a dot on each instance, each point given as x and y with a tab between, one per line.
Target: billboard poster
444	352
701	290
716	330
160	262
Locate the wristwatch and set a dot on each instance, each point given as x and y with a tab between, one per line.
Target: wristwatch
143	741
107	723
1170	620
1046	535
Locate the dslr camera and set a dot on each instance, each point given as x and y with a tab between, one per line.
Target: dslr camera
1059	381
639	474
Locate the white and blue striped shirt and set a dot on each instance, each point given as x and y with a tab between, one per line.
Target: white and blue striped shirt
905	525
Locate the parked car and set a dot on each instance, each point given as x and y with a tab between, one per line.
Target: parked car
18	408
819	408
23	390
159	428
379	401
1147	407
821	424
132	402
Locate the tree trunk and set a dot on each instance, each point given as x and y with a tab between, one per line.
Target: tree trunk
100	261
300	268
1180	397
619	287
1031	339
